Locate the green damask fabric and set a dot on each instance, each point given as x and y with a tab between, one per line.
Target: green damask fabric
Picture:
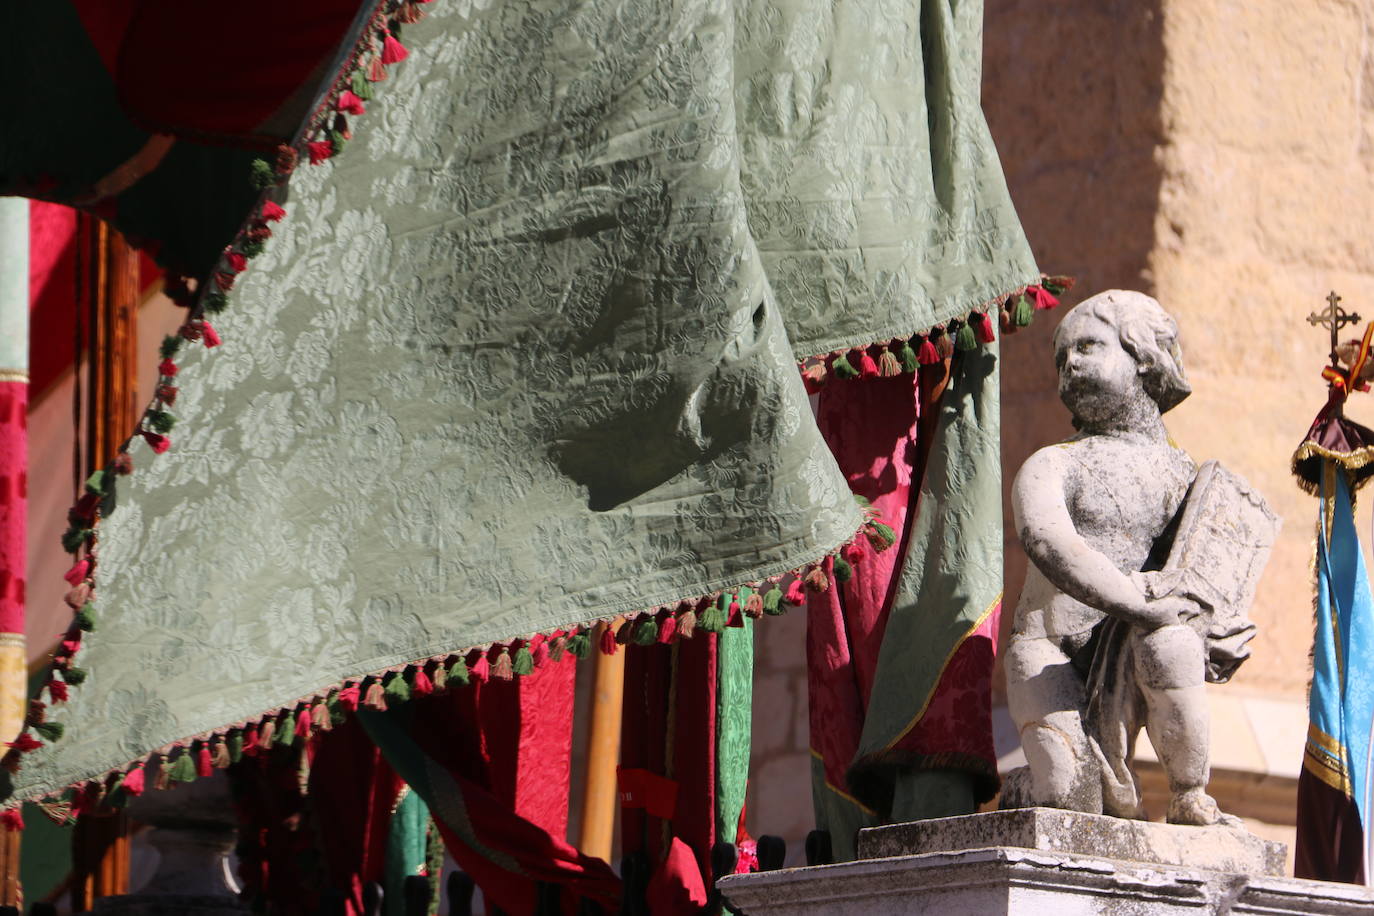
519	358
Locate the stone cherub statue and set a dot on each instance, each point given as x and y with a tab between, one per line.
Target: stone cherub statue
1143	570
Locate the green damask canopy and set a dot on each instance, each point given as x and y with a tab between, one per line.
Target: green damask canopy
522	355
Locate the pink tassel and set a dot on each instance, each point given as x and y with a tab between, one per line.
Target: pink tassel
211	335
156	442
666	628
607	643
319	151
814	377
266	732
321	718
421	685
817	580
375	698
480	669
204	765
167	394
1044	299
350	103
70	647
133	783
503	668
77	572
983	329
250	739
867	367
167	368
13	819
393	52
236	261
57	690
375	71
272	212
304	722
78	596
795	595
539	650
348	697
754	606
124	463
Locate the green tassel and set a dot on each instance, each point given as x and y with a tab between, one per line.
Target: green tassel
772	602
881	536
337	140
397	690
261	174
253	247
85	618
965	340
95	484
236	745
579	645
646	634
843	571
169	347
183	769
361	87
160	420
74	675
51	731
215	303
286	730
712	620
458	671
1023	313
523	663
73	538
908	357
842	369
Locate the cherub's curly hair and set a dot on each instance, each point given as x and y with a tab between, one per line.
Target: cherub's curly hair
1148	333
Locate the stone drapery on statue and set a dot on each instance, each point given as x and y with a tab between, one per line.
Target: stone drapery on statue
1143	570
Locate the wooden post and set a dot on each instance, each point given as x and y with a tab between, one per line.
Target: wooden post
603	750
108	304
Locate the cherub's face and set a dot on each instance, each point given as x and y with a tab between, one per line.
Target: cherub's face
1097	378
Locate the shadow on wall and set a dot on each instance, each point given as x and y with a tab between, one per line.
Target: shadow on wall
1072	92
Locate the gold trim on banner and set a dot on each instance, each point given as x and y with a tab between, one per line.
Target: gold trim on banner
14	375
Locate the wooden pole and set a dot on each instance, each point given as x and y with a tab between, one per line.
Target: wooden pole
603	750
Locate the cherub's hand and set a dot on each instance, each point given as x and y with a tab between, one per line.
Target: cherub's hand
1170	609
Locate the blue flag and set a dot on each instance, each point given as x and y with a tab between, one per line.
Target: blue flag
1334	788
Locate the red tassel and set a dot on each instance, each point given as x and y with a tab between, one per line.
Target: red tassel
167	368
480	669
983	329
421	685
853	552
539	649
157	443
224	280
607	643
236	261
348	697
350	103
375	71
319	151
250	739
211	335
78	572
733	617
666	628
71	646
867	367
13	819
204	765
393	52
375	698
133	783
25	743
57	690
272	212
795	595
926	354
1044	299
304	722
167	394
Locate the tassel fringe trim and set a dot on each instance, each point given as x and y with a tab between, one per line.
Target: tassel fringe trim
904	356
298	723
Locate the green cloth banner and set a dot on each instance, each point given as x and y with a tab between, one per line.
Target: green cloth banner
518	358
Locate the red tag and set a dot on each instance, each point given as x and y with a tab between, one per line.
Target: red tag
644	789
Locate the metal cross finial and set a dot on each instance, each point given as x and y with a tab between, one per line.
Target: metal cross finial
1333	317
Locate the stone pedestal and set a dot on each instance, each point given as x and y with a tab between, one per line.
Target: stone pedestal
1043	861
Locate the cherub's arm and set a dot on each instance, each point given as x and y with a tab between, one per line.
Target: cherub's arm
1062	555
